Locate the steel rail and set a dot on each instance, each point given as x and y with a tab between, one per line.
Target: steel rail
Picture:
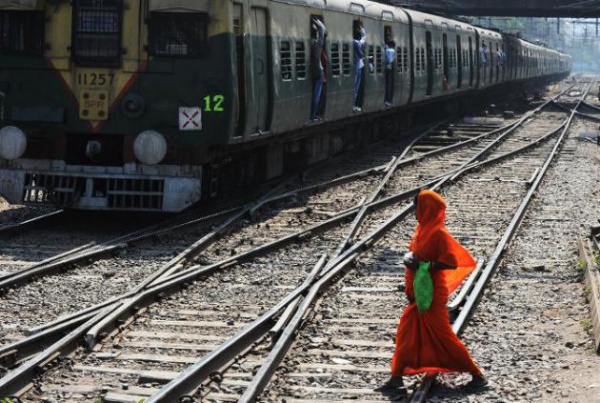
277	354
54	258
467	287
177	280
17	380
12	227
218	358
194	272
385	168
590	105
471	303
581	114
108	324
92	250
182	382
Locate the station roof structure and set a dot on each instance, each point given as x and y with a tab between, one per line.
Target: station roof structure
517	8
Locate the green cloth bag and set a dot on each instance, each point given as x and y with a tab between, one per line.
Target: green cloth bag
423	286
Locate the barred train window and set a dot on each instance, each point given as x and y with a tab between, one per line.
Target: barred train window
379	59
418	60
286	61
22	32
300	60
97	30
336	67
178	34
346	65
371	59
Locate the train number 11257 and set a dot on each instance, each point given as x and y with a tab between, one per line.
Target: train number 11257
95	79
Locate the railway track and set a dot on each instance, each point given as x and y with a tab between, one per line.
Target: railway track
144	354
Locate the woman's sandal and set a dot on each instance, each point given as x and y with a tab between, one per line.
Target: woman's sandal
392	384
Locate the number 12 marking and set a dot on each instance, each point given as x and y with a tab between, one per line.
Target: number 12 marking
214	103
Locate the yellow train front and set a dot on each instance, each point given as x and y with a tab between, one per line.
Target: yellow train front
113	104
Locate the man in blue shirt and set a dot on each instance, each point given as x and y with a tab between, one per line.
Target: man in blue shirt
359	63
389	58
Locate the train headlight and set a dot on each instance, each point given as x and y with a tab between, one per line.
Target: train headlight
150	147
13	143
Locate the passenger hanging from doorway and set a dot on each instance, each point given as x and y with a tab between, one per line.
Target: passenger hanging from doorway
359	63
390	56
483	59
325	64
316	67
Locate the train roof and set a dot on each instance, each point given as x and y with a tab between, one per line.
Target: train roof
21	4
421	19
488	34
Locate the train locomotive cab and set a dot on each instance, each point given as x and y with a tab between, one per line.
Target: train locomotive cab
113	104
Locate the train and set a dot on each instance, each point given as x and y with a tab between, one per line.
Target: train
155	105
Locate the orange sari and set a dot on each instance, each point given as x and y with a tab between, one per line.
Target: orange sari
425	342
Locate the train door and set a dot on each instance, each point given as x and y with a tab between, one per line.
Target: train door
238	27
491	61
503	62
259	121
459	61
471	64
430	66
445	61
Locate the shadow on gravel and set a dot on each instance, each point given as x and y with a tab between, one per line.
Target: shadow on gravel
456	393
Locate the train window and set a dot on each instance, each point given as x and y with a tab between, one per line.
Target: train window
346	65
399	65
178	34
300	60
405	59
379	59
388	34
22	32
371	59
336	67
286	61
96	38
438	59
420	62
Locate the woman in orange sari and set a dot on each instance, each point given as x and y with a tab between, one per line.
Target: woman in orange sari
425	341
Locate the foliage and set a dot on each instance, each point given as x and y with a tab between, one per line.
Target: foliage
587	324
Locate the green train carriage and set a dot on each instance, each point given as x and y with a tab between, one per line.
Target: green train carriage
155	104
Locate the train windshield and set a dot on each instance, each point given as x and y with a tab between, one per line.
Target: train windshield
21	32
178	34
97	27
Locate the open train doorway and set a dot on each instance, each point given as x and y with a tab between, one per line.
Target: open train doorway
459	61
359	48
430	63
